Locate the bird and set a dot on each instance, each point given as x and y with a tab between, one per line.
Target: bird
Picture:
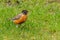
20	18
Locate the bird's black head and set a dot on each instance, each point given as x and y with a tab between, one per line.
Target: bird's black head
24	12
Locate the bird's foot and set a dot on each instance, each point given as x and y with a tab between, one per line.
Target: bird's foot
17	26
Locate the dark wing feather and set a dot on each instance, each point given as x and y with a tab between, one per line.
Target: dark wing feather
17	17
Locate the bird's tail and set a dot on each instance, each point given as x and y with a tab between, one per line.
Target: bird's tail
10	19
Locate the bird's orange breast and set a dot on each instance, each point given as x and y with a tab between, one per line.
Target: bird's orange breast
21	19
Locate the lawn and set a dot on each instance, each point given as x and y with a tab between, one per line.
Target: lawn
43	21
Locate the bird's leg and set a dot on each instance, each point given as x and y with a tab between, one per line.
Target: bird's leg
17	26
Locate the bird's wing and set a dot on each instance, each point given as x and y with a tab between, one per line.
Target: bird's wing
17	17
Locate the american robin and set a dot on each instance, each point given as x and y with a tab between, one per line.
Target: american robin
20	18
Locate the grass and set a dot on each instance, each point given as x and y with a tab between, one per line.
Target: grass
43	21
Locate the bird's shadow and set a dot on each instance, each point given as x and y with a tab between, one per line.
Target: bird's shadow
22	26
